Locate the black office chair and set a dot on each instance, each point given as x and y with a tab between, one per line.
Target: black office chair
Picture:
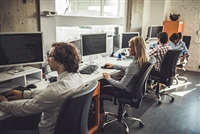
138	90
166	74
73	115
181	66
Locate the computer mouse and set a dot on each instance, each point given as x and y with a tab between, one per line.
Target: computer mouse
105	67
31	86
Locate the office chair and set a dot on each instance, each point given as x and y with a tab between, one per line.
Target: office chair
138	90
166	74
187	40
73	115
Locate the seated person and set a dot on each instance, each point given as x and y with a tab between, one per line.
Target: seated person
47	101
177	43
137	49
159	52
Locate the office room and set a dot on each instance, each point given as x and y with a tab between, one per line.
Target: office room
66	20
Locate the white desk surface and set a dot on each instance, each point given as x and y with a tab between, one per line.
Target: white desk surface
87	78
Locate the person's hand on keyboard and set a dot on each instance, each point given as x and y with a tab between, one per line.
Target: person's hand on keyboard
3	98
14	94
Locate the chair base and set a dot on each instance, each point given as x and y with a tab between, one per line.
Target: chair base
181	78
163	92
121	120
159	92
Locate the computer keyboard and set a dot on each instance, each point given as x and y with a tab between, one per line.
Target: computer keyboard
89	69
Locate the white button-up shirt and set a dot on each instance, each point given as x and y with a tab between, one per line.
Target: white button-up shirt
46	101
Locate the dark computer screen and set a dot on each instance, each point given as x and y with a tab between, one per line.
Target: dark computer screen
93	43
21	48
153	31
126	37
116	43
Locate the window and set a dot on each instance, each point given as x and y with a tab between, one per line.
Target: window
106	8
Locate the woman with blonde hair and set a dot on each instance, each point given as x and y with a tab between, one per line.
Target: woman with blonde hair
137	49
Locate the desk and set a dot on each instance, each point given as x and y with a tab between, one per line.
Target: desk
87	78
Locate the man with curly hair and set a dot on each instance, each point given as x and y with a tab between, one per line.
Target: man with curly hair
63	58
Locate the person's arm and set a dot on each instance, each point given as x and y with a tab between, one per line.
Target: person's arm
119	67
46	100
28	94
3	98
16	94
132	70
170	44
152	59
153	52
184	51
183	57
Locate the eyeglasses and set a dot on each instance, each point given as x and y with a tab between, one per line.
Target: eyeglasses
49	55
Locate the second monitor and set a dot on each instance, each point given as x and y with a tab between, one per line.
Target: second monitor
126	37
93	43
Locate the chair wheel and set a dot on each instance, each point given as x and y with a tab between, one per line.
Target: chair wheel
175	82
159	102
126	114
172	99
105	119
141	124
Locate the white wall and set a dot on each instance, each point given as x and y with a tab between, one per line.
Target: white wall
154	13
48	24
157	12
146	17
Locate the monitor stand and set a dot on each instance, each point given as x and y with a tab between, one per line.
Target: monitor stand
95	59
92	59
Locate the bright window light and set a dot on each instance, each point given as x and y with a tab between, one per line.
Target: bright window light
94	8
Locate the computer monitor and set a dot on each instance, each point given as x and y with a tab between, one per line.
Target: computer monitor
77	43
126	37
22	48
116	43
153	30
93	43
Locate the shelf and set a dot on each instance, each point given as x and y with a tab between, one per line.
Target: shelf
28	76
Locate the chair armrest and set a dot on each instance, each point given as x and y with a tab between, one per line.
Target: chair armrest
108	86
110	97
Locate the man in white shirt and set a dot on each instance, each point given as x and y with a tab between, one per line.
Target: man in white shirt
63	58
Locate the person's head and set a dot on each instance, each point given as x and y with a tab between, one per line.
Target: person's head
137	48
179	35
65	55
174	38
162	37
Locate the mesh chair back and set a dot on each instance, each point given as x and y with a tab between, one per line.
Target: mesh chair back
187	40
168	65
139	86
73	115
